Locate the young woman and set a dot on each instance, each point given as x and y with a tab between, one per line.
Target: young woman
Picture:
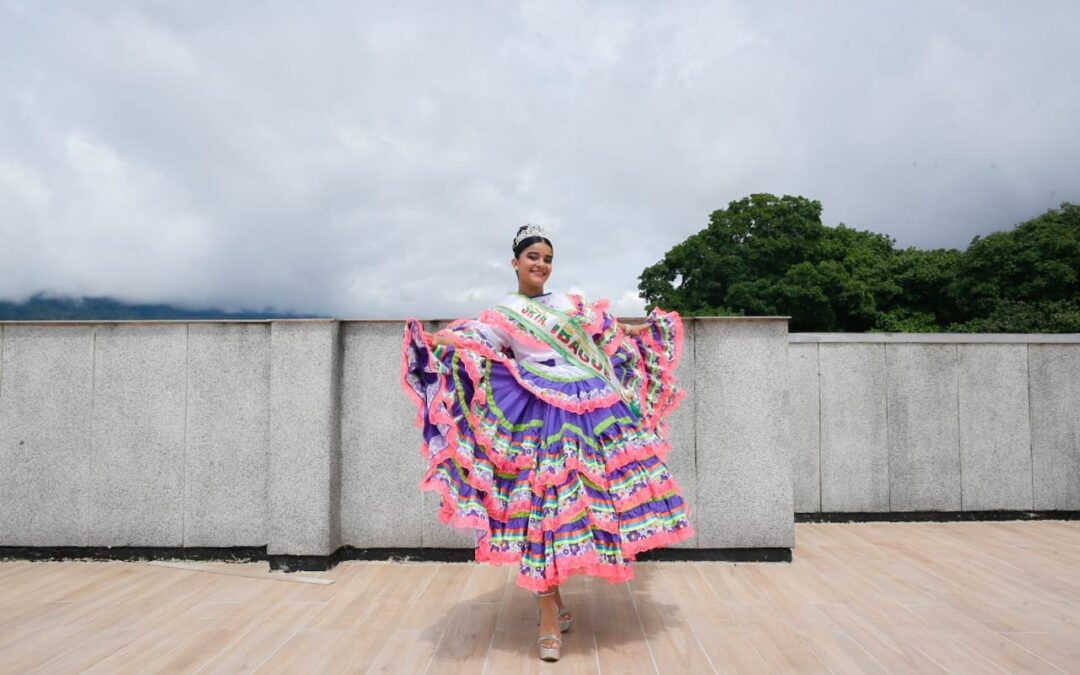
543	426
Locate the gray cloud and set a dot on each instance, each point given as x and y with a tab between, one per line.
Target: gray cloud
374	160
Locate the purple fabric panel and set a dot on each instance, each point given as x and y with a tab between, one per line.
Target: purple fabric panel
521	405
455	476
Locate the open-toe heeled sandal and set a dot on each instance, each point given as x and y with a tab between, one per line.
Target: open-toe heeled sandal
547	652
566	619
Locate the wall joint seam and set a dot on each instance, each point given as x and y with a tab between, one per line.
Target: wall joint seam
959	443
184	446
92	453
1031	427
821	490
693	427
888	436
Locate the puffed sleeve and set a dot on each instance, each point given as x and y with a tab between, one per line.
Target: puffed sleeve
478	332
440	378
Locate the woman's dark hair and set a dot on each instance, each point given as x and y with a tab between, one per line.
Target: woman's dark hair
528	241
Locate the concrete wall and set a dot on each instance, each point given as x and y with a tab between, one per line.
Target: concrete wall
737	483
305	440
742	450
935	422
381	464
228	435
296	434
170	434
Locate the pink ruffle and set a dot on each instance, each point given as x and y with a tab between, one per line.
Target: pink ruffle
586	564
597	312
646	343
677	338
406	345
657	540
638	453
450	514
590	564
578	406
552	523
473	479
486	555
651	493
439	415
541	480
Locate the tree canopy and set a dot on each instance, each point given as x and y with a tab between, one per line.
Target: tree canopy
769	255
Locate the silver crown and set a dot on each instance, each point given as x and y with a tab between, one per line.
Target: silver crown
530	231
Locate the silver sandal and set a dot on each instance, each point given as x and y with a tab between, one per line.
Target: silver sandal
547	652
566	619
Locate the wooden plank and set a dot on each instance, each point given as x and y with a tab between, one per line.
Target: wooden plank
857	598
433	589
621	645
262	640
464	644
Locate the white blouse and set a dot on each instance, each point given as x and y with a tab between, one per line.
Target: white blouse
542	361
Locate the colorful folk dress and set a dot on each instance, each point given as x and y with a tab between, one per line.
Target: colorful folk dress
544	432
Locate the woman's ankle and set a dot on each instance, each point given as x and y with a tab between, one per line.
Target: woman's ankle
558	599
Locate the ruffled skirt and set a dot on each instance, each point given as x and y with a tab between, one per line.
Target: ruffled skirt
558	490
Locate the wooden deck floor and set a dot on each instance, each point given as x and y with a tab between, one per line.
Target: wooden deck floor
858	598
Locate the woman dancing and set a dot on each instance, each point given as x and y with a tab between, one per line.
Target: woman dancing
544	430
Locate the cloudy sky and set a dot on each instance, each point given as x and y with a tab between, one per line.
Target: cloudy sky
374	159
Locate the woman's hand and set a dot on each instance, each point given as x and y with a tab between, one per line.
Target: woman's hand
440	338
635	329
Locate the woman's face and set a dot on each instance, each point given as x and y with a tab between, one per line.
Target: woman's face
533	265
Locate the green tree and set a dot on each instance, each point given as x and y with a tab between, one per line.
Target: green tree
1023	280
923	302
1011	316
767	255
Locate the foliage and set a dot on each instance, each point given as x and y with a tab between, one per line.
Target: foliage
1023	280
904	320
768	255
1012	316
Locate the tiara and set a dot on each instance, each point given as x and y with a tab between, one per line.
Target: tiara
529	231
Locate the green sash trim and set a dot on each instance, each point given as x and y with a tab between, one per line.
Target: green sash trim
568	339
562	334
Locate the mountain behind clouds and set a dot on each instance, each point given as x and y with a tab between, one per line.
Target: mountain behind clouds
40	307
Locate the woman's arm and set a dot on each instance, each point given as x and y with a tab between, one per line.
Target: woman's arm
440	338
498	340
